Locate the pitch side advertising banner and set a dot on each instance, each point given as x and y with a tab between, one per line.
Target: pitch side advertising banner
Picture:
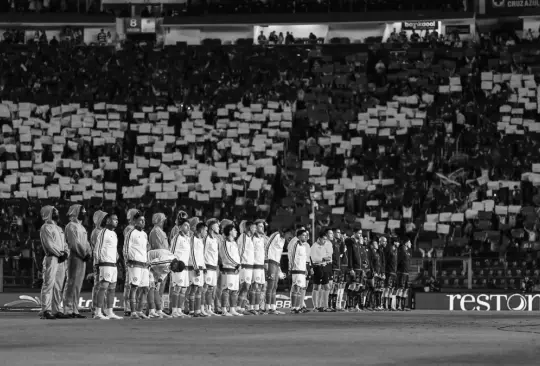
511	6
478	302
420	25
32	302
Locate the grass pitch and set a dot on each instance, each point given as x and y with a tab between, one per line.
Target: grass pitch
413	338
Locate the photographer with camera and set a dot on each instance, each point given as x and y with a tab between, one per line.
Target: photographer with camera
54	264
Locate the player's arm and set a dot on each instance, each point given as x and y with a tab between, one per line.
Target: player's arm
49	243
291	252
227	253
73	242
128	243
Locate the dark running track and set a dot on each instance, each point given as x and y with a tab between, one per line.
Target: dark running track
415	338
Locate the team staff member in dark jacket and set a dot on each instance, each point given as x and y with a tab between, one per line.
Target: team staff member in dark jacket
374	276
355	273
404	261
390	274
380	289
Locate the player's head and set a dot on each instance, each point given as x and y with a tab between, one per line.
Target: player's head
407	244
302	235
138	220
224	223
251	228
375	245
230	232
181	215
131	212
396	242
382	241
358	235
330	234
111	221
261	227
213	226
338	234
77	212
201	229
177	266
158	219
183	225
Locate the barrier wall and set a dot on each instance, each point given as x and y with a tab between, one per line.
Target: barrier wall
32	302
464	301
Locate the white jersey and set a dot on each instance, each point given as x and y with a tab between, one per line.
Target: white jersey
196	258
160	262
211	251
258	250
230	258
246	249
181	248
297	253
274	248
137	246
106	247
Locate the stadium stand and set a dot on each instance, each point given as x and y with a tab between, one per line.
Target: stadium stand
428	138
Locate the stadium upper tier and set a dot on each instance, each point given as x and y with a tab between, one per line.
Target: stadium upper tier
435	140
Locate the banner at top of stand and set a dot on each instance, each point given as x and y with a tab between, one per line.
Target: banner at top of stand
314	18
512	7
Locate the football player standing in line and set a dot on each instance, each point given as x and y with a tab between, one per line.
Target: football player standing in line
197	271
106	254
127	284
211	257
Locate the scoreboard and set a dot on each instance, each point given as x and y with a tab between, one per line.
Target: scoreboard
140	25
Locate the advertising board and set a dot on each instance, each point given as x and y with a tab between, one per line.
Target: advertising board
478	301
32	302
420	25
511	7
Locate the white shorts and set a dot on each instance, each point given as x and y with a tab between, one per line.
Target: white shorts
246	275
107	273
139	276
210	278
180	279
196	280
230	281
258	276
299	280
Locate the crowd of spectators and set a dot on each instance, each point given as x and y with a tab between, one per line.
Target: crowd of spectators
425	136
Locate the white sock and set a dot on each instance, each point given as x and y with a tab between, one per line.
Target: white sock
273	307
256	307
98	311
174	310
315	298
268	307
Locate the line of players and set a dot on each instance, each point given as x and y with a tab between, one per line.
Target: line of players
226	274
216	270
371	277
